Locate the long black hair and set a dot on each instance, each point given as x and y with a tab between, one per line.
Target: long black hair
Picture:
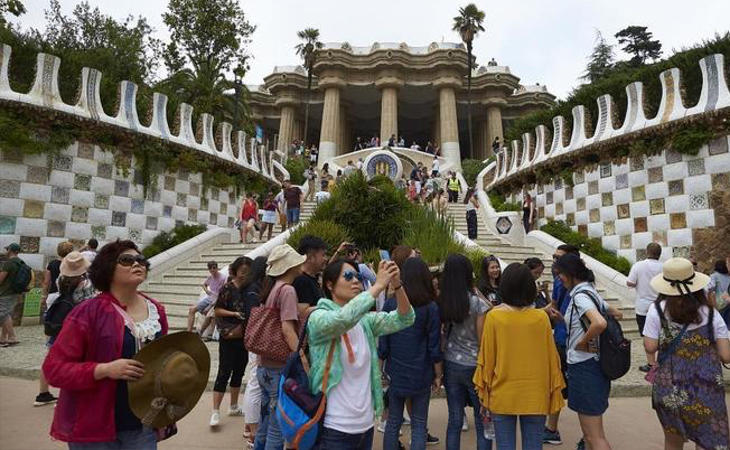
418	282
468	195
484	285
457	282
256	273
572	266
236	264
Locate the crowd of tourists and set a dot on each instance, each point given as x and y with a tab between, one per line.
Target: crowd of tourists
379	341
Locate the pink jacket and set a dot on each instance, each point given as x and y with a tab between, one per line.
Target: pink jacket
92	333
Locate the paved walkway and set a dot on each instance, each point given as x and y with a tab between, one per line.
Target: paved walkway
630	424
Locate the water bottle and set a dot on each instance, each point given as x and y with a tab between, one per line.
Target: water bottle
488	425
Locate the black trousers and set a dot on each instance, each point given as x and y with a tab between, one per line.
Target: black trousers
453	196
232	361
471	223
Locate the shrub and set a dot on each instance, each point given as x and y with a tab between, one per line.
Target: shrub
296	166
374	214
590	246
476	255
331	233
166	240
432	235
500	204
471	168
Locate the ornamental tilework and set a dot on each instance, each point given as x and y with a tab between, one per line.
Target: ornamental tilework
558	208
56	229
192	214
623	211
104	170
579	177
638	193
583	229
195	189
609	228
37	175
677	221
62	162
121	188
60	194
605	170
636	163
640	225
594	215
656	175
169	183
98	232
167	211
592	187
696	167
640	254
82	182
151	223
558	183
659	237
119	218
673	156
79	214
718	146
7	224
570	219
29	244
33	209
101	201
85	150
181	199
698	201
9	188
622	181
581	204
569	192
681	252
607	199
656	206
137	206
626	241
676	187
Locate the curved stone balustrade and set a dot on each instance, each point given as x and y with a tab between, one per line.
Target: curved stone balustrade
519	156
45	93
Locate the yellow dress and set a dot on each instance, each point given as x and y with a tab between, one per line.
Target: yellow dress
518	367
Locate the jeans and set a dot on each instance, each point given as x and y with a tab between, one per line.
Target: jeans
419	418
459	388
531	428
330	439
142	439
292	215
268	436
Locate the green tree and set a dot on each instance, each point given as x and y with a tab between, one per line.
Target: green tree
122	50
469	23
208	39
637	41
601	60
307	50
14	7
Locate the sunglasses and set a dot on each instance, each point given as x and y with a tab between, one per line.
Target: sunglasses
128	260
350	274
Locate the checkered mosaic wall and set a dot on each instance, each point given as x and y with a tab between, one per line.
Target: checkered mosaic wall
82	195
660	198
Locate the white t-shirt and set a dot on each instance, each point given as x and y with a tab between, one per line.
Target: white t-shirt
653	325
350	403
641	274
89	255
583	303
321	196
435	166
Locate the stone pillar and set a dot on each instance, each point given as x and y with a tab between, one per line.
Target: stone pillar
388	83
449	126
436	132
286	127
494	125
330	124
342	145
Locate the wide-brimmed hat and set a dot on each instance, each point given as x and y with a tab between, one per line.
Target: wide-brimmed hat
281	259
74	264
678	277
176	371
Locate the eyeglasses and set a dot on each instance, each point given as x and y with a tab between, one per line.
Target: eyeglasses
350	274
128	260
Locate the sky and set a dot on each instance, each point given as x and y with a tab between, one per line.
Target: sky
542	42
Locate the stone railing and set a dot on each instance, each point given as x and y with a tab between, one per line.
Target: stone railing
539	149
222	144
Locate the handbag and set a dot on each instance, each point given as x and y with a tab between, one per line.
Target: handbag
651	375
235	332
263	334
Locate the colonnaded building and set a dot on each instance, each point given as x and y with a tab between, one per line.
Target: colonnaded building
419	93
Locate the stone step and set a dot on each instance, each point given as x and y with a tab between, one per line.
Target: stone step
173	288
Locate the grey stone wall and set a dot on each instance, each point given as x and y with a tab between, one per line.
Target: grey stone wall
81	194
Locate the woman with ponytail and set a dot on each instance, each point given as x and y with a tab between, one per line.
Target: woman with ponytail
692	341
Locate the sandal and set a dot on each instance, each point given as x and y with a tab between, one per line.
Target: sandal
11	343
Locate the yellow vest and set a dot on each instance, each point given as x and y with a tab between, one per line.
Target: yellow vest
454	184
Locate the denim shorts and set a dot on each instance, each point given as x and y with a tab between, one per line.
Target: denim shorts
588	388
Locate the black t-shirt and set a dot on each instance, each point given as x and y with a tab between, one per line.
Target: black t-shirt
55	268
229	298
308	289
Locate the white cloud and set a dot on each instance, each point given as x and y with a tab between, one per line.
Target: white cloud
545	42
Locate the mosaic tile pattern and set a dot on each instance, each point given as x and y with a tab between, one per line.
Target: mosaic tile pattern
636	163
656	174
676	187
696	167
638	193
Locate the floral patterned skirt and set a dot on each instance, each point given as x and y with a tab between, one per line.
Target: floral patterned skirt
688	393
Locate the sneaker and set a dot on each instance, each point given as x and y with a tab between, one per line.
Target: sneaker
401	446
432	440
44	398
406	420
381	427
465	425
215	419
235	411
645	368
581	445
551	437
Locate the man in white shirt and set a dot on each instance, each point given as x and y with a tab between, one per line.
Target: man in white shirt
639	278
359	163
435	166
322	195
349	168
89	252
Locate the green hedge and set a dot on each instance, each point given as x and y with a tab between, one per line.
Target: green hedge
331	233
500	204
296	166
619	77
471	168
166	240
590	246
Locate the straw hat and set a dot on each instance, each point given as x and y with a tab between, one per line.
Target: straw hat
678	277
74	264
281	259
176	370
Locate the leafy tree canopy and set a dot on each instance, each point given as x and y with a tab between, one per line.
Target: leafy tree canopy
600	61
637	41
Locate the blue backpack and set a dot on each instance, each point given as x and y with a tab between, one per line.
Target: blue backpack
298	411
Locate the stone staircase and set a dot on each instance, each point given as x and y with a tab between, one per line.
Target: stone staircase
509	253
180	287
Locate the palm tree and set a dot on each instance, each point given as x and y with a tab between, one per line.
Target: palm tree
469	23
307	50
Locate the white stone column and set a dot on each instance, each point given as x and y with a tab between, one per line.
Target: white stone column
449	126
286	127
388	83
330	124
494	125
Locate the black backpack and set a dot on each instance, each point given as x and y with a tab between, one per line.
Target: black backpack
22	279
614	349
56	314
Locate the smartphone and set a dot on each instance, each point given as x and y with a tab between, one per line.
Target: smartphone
384	255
